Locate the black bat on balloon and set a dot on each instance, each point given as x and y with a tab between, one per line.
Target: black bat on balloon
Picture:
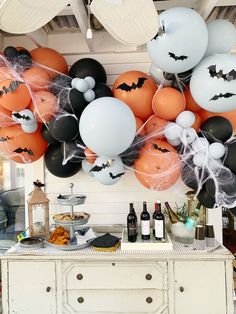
177	58
128	88
12	87
19	116
116	176
230	76
103	166
4	138
23	150
161	31
163	150
226	95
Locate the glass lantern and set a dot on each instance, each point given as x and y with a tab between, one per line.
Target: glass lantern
38	211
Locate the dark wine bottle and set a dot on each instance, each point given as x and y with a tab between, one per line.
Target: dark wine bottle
132	224
153	218
145	223
159	222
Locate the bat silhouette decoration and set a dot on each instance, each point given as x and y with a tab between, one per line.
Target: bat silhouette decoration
230	76
4	138
12	87
116	176
163	150
177	58
97	168
161	31
129	88
226	95
19	116
24	150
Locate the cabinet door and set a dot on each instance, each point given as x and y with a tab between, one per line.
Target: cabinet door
200	287
32	287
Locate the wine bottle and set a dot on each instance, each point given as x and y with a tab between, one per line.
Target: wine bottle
171	214
145	223
192	220
159	222
132	224
153	218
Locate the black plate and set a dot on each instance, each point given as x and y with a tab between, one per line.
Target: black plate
31	242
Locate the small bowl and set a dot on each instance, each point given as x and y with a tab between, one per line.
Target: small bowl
31	242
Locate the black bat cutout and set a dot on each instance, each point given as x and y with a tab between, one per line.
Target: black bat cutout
103	166
38	184
226	95
177	58
4	138
161	31
12	87
163	150
230	76
19	116
128	88
116	176
24	150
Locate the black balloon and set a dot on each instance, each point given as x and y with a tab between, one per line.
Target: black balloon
185	76
72	152
10	53
226	185
217	128
168	76
102	90
132	153
179	85
53	161
188	174
206	199
88	67
60	82
64	128
72	101
47	136
230	160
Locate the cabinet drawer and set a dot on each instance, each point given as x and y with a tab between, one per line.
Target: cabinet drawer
120	275
116	301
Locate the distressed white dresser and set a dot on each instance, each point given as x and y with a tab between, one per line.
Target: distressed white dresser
181	281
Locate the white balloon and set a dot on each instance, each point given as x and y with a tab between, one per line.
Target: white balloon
86	167
183	43
112	169
188	135
91	81
107	126
200	144
213	85
81	85
199	160
157	74
172	131
175	142
215	164
89	95
221	37
30	128
216	150
74	82
185	119
24	116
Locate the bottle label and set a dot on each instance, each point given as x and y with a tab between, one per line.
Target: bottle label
132	229
145	227
159	228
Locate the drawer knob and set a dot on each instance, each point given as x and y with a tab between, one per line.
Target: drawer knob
48	289
79	276
80	300
181	289
149	300
148	276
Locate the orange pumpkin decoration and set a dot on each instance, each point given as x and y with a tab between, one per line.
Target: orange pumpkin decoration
140	129
155	127
158	166
14	95
50	58
230	115
136	89
168	102
37	78
22	147
90	155
43	106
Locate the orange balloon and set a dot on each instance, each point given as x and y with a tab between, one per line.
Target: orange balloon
15	100
51	59
230	115
198	122
43	106
90	155
5	73
5	117
20	146
158	165
37	78
136	89
190	102
168	102
155	126
139	124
